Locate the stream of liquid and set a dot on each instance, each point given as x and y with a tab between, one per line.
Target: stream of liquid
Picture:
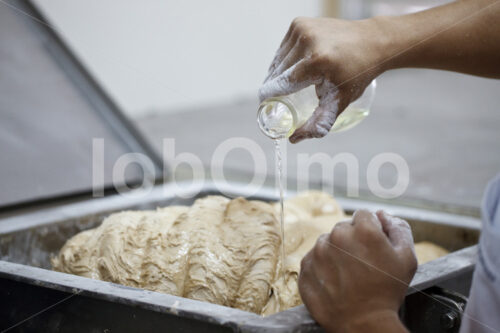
279	165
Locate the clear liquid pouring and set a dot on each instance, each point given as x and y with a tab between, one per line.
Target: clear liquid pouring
279	117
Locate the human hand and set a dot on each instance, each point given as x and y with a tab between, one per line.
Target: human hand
342	57
356	277
339	57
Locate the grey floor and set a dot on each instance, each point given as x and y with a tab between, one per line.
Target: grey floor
445	125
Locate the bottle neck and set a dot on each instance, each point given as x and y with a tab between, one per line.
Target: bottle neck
277	118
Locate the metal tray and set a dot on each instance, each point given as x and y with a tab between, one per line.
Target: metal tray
27	242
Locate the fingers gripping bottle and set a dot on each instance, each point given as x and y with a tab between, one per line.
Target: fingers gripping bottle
278	117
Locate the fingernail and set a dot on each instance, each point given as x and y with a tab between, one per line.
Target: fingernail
296	138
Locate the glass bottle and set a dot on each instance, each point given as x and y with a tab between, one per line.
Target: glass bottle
278	117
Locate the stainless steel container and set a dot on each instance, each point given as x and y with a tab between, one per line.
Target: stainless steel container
27	241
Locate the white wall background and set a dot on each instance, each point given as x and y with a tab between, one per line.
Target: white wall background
166	56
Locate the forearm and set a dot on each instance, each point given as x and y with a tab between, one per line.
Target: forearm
463	36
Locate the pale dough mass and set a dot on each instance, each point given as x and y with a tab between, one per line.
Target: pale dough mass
218	250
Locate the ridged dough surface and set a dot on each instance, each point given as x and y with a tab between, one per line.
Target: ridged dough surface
217	250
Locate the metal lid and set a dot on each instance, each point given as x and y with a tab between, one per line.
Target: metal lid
50	111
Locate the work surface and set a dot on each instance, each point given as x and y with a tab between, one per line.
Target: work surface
445	125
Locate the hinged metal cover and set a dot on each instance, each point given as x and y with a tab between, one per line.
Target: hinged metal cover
50	111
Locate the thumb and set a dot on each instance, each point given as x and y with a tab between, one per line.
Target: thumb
398	231
322	119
